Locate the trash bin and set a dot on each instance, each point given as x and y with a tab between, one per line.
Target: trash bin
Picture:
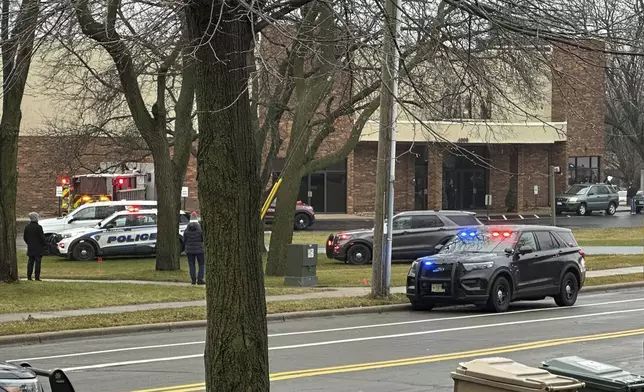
502	374
597	376
301	265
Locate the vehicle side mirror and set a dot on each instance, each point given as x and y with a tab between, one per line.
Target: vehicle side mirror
109	226
525	249
70	220
509	251
438	247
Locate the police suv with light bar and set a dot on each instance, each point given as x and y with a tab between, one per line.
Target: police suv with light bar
124	233
491	267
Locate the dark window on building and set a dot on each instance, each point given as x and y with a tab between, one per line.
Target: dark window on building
325	190
583	170
425	221
464	220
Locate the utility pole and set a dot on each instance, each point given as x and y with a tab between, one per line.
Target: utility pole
385	176
553	201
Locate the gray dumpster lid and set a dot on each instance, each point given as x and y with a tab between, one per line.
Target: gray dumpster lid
507	371
592	372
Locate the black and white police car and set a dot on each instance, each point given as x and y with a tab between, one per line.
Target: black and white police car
125	233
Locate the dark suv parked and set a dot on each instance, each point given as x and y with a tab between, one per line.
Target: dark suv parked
304	215
415	234
493	266
586	198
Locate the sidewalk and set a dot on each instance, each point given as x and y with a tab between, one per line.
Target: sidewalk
335	293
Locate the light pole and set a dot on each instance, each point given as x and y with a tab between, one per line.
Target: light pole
553	202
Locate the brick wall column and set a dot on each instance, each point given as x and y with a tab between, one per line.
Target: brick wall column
559	157
350	166
434	177
521	165
498	175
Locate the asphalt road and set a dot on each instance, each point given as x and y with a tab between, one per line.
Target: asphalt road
395	352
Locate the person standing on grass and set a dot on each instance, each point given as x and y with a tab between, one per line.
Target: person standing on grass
631	192
34	237
193	241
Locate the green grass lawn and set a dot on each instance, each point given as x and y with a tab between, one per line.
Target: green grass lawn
610	236
198	312
50	296
585	237
330	273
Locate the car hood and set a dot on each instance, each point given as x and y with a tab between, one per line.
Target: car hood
10	371
358	232
51	221
447	258
79	231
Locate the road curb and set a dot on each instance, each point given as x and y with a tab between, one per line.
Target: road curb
45	337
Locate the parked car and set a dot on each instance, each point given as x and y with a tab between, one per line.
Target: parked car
124	233
494	266
586	198
415	234
24	378
88	215
304	215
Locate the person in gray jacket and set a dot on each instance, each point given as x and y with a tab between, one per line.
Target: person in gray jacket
193	241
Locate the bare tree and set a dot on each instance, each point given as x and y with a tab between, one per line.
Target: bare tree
623	159
18	25
118	36
451	67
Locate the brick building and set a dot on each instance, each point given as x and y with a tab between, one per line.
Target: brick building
457	164
452	167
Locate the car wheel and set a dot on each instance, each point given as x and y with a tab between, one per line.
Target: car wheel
84	252
359	254
581	210
421	305
500	295
568	291
611	209
302	221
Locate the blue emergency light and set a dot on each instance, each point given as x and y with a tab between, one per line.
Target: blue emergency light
471	233
427	261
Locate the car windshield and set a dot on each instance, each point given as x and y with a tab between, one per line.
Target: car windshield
577	190
473	241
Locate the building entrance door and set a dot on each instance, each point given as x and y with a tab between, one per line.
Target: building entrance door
466	189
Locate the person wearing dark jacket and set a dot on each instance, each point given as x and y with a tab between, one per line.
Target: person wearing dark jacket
34	237
630	197
193	242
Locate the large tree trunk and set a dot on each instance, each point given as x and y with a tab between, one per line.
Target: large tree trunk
168	184
17	46
236	353
9	128
282	230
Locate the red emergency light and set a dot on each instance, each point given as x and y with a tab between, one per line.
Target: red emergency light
63	181
121	181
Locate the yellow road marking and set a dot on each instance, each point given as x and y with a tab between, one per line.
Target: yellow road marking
418	360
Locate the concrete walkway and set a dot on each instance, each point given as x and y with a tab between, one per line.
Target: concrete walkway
335	293
613	250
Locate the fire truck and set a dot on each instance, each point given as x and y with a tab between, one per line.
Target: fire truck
89	188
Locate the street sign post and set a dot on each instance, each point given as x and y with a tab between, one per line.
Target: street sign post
184	195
